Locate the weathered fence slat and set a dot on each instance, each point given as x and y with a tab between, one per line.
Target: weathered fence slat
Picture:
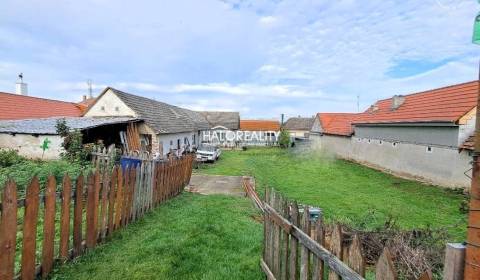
111	200
8	231
78	217
355	259
119	198
276	238
304	253
48	227
293	258
104	203
92	209
284	243
30	230
317	270
336	247
65	218
385	270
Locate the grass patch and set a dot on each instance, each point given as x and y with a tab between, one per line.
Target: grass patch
348	192
189	237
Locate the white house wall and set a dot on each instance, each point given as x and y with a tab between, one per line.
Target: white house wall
169	141
110	105
441	166
29	146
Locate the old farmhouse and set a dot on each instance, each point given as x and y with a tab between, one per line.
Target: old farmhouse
299	127
424	135
165	128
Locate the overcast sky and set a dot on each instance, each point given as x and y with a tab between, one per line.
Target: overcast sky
259	57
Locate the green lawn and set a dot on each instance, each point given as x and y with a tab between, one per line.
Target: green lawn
189	237
348	192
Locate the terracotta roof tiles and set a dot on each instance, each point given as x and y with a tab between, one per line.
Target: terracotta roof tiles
17	107
259	125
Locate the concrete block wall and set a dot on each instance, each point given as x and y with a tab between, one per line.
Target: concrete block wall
436	165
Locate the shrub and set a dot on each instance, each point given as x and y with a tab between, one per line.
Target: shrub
284	138
9	158
72	143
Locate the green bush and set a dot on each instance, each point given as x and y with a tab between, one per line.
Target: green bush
284	138
9	158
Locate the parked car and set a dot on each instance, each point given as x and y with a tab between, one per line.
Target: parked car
208	153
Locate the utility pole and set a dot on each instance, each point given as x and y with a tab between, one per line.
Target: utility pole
472	254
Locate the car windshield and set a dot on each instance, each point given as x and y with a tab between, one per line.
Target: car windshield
206	148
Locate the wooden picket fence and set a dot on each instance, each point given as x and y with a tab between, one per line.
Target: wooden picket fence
299	246
103	203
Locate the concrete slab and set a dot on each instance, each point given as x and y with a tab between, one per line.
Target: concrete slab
216	184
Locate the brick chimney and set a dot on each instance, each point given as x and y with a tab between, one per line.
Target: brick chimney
397	101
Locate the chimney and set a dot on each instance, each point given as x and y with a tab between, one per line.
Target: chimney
21	87
397	101
84	97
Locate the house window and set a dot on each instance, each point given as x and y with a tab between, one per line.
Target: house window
117	109
380	142
394	144
178	144
369	141
102	108
429	149
359	139
194	142
171	143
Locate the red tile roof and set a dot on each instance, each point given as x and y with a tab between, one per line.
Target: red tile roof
17	107
337	123
259	125
447	104
86	103
469	144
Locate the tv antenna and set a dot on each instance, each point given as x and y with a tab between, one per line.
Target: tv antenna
89	85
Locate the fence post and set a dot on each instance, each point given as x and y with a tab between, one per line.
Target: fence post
8	230
454	261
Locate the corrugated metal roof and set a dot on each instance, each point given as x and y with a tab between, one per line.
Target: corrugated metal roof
47	125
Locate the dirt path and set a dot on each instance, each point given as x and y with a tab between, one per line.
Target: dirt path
216	184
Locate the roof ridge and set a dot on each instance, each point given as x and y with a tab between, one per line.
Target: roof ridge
35	97
431	90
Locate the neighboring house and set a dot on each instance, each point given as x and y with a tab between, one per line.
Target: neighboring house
86	103
38	138
18	107
165	128
299	127
259	132
426	135
223	125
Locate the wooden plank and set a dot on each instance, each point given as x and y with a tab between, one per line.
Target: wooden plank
427	275
104	203
304	252
49	227
454	261
125	197
119	199
333	262
336	248
266	230
266	270
77	217
355	259
318	267
276	238
8	230
278	220
111	200
284	243
385	270
92	209
65	218
293	258
30	230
